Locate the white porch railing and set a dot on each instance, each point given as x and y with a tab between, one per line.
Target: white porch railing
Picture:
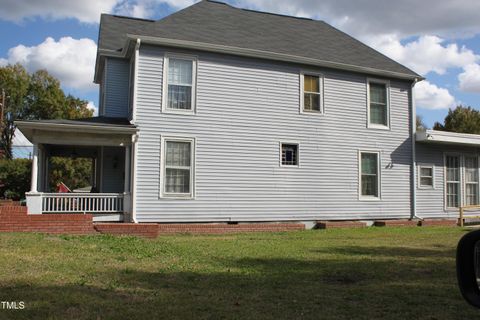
82	202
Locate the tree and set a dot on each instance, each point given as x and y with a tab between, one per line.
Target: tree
14	178
421	126
462	119
35	96
15	81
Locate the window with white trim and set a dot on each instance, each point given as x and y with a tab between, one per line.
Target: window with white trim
471	180
378	104
179	84
369	175
452	164
426	176
289	154
178	159
311	99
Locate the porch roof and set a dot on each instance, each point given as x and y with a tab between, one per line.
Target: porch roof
445	137
93	125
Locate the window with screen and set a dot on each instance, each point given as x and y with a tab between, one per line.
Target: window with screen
289	154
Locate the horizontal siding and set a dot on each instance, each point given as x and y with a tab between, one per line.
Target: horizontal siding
244	109
431	202
117	88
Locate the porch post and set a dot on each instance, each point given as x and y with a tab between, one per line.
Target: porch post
127	198
34	198
34	180
127	170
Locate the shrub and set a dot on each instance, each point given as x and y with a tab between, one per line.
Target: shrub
15	177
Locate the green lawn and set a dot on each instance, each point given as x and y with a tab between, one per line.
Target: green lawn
373	273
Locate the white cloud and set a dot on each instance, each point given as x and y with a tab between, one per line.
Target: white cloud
70	60
430	96
424	55
148	8
91	105
368	17
469	79
85	11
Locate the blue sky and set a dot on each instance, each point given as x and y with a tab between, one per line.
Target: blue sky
441	41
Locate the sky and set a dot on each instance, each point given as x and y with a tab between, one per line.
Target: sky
438	39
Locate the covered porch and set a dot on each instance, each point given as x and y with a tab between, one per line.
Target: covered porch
105	147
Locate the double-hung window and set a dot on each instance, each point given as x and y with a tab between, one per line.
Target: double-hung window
179	84
378	104
178	158
426	176
452	181
471	180
369	175
311	96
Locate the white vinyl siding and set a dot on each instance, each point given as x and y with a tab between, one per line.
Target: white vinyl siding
452	171
378	104
179	84
245	108
311	93
369	175
177	172
471	180
426	176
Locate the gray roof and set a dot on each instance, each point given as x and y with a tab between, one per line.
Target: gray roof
217	23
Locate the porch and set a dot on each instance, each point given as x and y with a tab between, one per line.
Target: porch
104	146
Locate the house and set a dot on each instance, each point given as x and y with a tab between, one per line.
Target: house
222	114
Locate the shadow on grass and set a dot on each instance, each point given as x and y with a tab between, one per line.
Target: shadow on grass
393	252
397	287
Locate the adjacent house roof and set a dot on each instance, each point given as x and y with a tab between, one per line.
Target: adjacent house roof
444	137
216	26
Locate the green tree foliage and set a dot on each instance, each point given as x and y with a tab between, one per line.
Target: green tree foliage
34	96
14	178
73	172
421	126
462	119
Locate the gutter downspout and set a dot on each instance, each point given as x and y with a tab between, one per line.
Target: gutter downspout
134	148
414	156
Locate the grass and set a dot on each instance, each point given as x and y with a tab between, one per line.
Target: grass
373	273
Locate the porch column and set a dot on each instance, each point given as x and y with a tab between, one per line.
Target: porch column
34	198
34	180
127	170
127	197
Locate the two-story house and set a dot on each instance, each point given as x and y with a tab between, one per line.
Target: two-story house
221	114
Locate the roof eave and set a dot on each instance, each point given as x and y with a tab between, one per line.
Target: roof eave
449	138
28	128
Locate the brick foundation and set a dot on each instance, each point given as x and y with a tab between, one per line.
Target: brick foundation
339	224
438	222
147	230
396	223
14	218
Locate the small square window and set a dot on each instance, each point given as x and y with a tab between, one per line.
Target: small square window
425	176
289	154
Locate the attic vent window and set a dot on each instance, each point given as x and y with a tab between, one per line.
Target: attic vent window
289	154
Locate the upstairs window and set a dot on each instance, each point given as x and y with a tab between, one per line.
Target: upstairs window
311	96
289	154
369	175
179	84
378	106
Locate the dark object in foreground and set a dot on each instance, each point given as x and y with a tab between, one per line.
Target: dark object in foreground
468	267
